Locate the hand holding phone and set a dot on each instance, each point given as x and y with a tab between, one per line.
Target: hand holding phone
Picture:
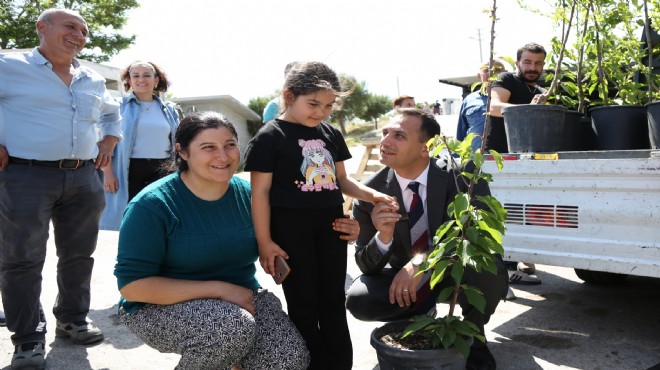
282	269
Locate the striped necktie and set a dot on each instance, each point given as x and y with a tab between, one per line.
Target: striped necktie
419	237
419	228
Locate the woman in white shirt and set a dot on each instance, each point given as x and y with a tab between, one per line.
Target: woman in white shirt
148	125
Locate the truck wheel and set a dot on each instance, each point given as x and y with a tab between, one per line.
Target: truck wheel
600	277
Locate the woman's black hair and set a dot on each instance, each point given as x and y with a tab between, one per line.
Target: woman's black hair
190	127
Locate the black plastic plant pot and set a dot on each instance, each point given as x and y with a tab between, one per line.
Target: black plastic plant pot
621	127
391	358
534	128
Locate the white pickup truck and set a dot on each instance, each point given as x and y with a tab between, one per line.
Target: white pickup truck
597	212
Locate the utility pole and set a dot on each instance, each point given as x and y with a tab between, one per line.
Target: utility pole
478	38
481	55
398	93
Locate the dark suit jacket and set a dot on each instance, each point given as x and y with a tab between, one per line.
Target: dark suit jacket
441	190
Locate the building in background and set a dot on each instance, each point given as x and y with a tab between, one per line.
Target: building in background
226	105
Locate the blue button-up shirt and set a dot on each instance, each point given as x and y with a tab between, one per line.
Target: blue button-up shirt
472	118
42	118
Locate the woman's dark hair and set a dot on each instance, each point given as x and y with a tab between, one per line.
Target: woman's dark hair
309	77
190	127
163	82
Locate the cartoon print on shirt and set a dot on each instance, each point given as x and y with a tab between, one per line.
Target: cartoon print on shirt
318	167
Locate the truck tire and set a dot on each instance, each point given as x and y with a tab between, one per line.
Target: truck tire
600	277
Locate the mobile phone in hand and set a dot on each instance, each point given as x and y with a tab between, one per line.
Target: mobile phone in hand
282	269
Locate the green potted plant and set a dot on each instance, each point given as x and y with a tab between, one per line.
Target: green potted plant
540	127
618	116
471	238
571	90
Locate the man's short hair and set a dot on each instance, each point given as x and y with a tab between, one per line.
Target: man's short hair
397	102
429	127
533	48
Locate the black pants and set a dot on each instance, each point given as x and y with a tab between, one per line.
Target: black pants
142	172
368	296
314	289
30	198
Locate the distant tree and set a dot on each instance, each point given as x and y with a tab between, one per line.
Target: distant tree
353	105
258	104
104	18
376	106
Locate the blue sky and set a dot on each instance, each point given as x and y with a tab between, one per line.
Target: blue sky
240	48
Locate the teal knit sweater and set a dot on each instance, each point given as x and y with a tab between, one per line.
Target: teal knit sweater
168	231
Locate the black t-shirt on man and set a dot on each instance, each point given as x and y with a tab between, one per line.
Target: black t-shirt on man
521	93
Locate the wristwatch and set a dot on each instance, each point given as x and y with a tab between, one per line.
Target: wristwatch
418	259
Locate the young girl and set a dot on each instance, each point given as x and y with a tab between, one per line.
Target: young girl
297	179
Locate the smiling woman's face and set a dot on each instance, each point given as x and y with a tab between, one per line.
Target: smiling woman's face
212	156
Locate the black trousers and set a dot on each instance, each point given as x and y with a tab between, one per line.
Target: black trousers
314	289
368	296
142	172
30	198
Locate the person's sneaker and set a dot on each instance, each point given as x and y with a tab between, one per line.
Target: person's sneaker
3	320
518	277
528	268
80	332
29	356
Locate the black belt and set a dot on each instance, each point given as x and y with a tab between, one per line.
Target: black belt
65	164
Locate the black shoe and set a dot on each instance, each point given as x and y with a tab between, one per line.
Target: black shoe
29	356
480	358
3	320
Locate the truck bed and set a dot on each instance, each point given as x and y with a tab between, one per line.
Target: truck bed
596	211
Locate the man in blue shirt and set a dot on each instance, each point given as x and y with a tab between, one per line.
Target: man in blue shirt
53	111
472	116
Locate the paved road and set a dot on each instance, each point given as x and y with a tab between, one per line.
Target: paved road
561	323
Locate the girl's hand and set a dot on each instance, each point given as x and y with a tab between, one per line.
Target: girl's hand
349	228
379	197
110	182
267	253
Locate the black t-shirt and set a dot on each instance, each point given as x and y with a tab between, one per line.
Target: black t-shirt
302	161
521	93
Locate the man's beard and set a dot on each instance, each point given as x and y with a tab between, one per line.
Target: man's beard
524	78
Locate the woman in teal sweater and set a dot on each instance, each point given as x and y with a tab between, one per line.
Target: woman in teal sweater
186	262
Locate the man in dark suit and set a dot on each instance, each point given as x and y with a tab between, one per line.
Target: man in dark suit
389	289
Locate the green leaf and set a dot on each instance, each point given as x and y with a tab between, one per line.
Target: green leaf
445	294
496	235
457	270
462	346
494	205
498	159
489	244
439	271
467	251
475	297
492	220
478	159
461	204
442	230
